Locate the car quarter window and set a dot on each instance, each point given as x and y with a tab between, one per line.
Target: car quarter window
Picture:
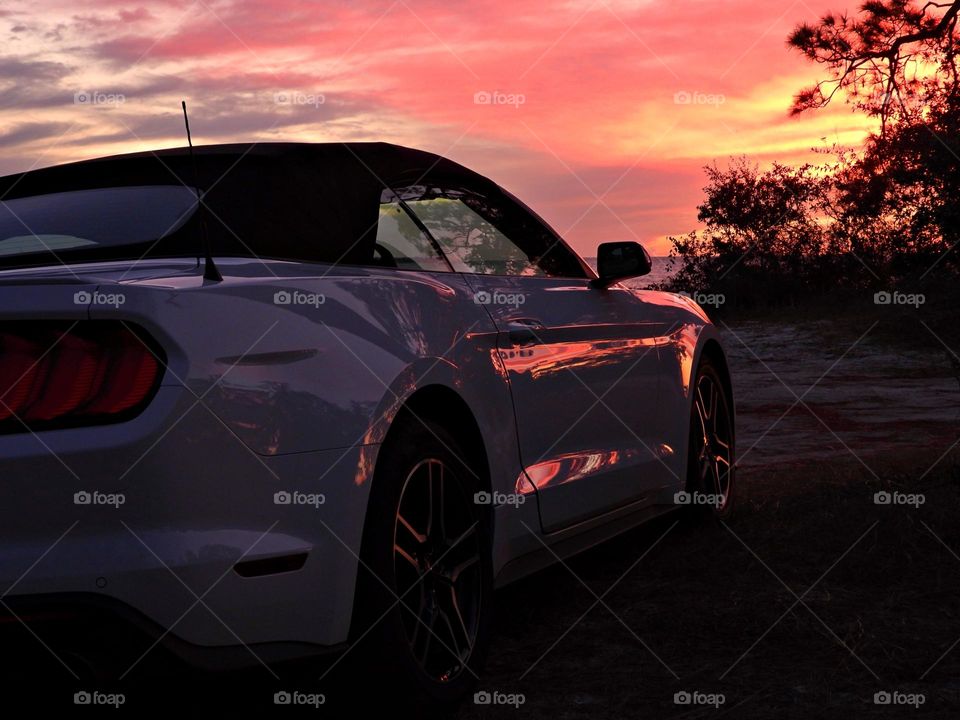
401	244
489	234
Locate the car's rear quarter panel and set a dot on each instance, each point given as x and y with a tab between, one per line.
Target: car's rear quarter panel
258	398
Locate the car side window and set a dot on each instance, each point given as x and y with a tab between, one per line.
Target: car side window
401	244
471	243
489	235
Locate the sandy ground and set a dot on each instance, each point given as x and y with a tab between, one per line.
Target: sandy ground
818	392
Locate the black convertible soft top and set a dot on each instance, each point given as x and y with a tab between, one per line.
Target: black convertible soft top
293	201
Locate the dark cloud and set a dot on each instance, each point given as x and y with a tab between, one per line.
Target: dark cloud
88	22
214	118
19	70
56	32
129	16
30	132
113	22
124	50
33	83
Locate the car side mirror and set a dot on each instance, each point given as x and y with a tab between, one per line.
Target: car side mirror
620	260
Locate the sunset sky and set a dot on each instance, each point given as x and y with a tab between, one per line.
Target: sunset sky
601	113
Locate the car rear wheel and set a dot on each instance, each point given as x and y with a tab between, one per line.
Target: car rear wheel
425	587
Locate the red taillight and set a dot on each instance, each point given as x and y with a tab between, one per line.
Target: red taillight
19	363
62	374
134	373
70	374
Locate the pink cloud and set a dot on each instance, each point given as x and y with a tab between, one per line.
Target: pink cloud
621	99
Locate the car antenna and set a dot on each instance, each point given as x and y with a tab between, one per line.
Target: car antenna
210	271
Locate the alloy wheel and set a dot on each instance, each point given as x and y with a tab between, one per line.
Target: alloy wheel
713	438
437	566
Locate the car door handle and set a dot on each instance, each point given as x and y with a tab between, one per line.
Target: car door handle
524	331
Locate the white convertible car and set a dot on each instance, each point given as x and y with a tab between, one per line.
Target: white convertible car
330	408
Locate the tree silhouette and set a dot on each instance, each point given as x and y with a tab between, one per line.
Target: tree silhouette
888	60
878	216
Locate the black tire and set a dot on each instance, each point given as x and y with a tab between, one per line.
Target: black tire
432	575
711	456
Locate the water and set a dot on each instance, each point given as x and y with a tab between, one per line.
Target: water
658	273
